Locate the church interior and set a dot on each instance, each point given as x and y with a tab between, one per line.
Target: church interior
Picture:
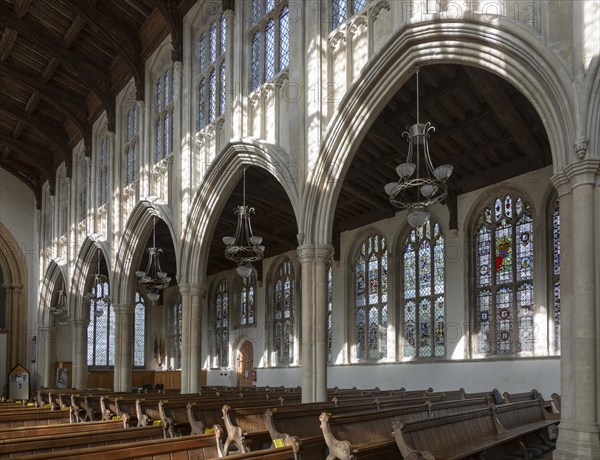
381	213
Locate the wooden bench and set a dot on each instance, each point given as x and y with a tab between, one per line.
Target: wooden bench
455	437
199	447
516	397
556	401
66	441
34	419
31	431
288	452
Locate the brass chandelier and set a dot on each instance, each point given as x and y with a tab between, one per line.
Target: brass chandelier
154	279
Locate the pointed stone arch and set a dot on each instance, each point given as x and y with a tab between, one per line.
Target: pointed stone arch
505	48
15	283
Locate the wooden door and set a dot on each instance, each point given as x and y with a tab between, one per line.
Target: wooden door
245	365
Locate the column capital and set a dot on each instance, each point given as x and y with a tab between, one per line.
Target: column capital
583	172
314	252
561	183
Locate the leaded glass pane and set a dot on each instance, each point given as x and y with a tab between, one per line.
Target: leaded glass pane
212	96
504	251
283	313
484	318
360	282
425	268
410	329
425	328
158	94
202	104
438	315
157	139
139	331
251	304
483	256
269	5
256	11
360	333
202	52
525	317
222	324
284	39
212	47
255	68
358	5
223	47
556	240
329	310
373	333
504	320
167	88
556	298
555	273
524	243
176	328
270	50
438	255
383	332
166	146
410	281
373	279
338	13
222	82
384	276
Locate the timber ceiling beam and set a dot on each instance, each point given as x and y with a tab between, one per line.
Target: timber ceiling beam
124	41
503	106
97	81
58	98
39	126
37	155
169	10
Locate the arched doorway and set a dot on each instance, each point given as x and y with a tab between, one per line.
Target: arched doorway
245	365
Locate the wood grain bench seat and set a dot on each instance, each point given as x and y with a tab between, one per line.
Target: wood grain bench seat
31	431
67	441
289	452
198	447
455	437
35	419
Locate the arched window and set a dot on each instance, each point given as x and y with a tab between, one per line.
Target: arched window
344	9
329	310
131	145
555	272
371	313
82	206
503	278
139	331
101	328
422	296
212	72
269	38
176	315
222	324
247	300
283	314
163	114
103	171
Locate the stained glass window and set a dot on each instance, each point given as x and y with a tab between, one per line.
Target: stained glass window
139	331
101	328
423	282
370	272
555	273
103	171
211	79
269	40
247	300
284	314
176	316
341	8
329	310
163	117
222	324
503	295
131	145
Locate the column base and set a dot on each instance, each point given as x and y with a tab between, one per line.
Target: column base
573	444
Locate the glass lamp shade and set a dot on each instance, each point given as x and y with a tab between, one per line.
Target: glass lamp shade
153	296
406	169
228	240
255	240
140	274
244	270
443	172
390	187
418	217
161	275
428	190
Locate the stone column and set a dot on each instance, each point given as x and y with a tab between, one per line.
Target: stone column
79	330
46	347
191	337
313	259
580	387
123	347
186	311
16	326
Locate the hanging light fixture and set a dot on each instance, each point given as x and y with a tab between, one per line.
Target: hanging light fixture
61	310
153	279
244	248
96	295
420	184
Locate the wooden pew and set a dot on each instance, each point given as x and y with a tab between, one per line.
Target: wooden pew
455	437
66	441
31	431
516	397
198	447
556	401
288	452
34	419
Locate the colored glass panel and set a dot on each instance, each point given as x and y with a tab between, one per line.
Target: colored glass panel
425	328
410	329
283	319
504	320
525	317
438	314
504	252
